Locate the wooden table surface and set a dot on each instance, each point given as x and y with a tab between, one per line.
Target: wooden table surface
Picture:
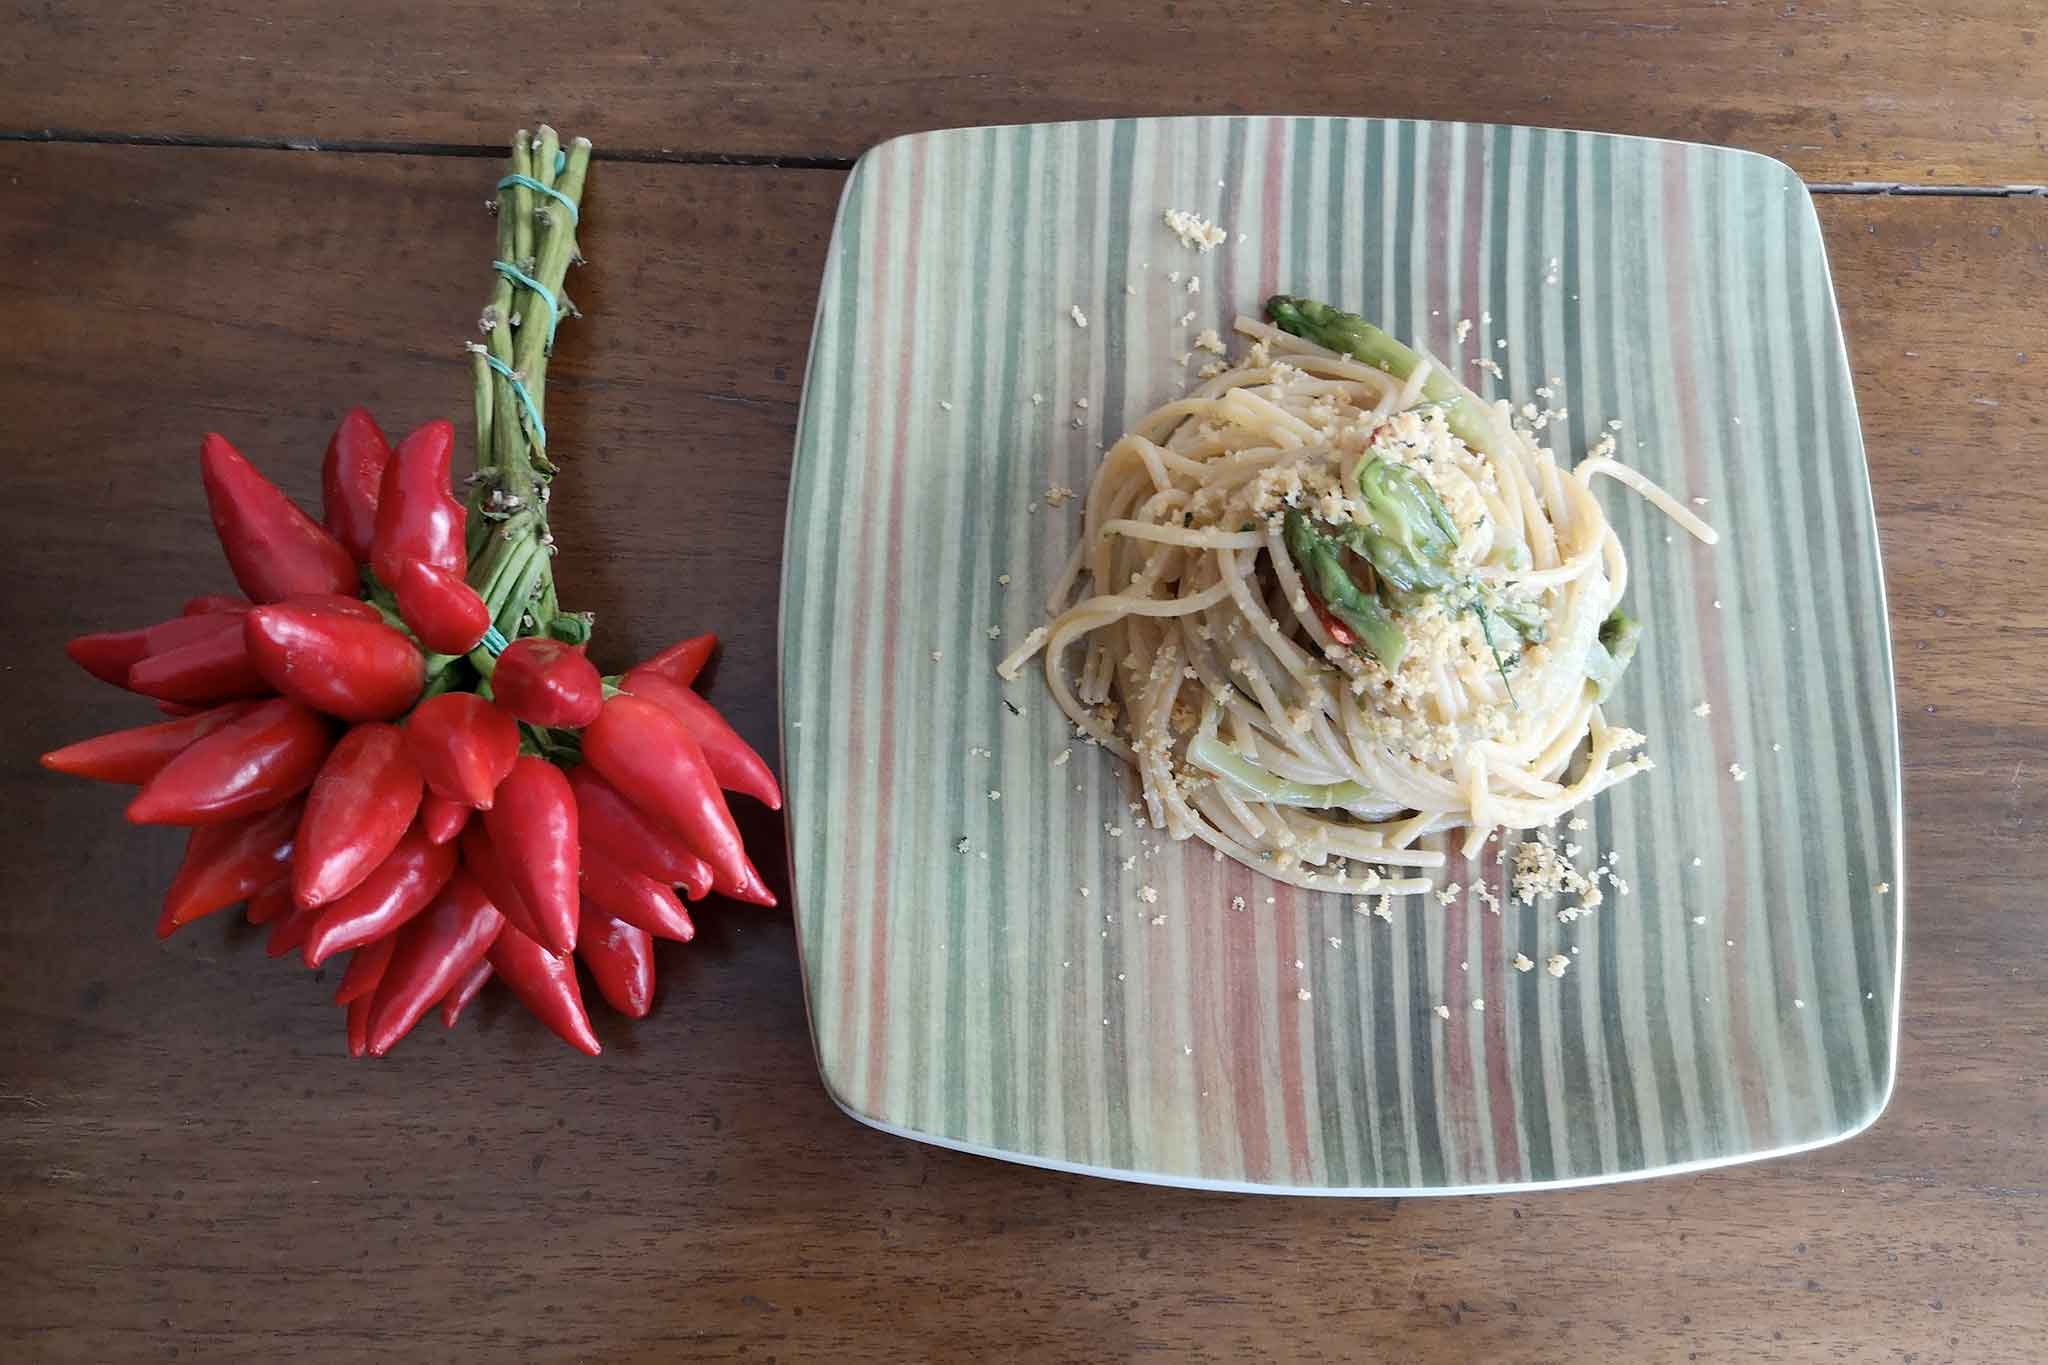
248	217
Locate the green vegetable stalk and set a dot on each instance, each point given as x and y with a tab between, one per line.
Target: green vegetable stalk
511	549
1610	653
1350	334
1212	755
1411	537
1320	558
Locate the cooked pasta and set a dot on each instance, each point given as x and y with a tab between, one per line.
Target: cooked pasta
1337	602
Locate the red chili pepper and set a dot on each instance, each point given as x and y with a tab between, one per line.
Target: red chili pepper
417	517
641	901
433	952
272	901
135	756
442	610
463	745
457	1000
397	889
1339	632
615	827
359	1026
274	548
480	860
361	805
210	670
109	654
649	756
532	825
335	604
681	662
546	682
257	761
208	603
228	862
545	985
350	476
365	969
355	669
441	818
748	886
621	961
733	761
288	931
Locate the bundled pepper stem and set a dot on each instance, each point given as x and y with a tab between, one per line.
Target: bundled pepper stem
511	559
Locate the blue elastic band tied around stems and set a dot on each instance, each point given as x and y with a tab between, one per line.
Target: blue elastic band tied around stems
540	432
520	277
528	182
494	642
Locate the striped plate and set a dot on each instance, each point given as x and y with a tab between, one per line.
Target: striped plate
986	966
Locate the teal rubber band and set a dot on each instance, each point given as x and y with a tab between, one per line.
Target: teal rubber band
494	642
561	160
549	190
518	276
540	432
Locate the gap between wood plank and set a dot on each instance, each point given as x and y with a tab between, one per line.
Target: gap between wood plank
774	161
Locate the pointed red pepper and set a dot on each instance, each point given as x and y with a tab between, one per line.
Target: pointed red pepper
480	860
109	654
134	756
621	961
733	761
441	818
546	986
257	761
546	682
355	669
274	548
350	476
417	516
642	902
433	953
207	603
532	825
748	886
681	662
463	745
229	862
440	607
359	1026
400	887
365	969
615	827
210	670
288	931
361	804
272	901
457	1000
650	757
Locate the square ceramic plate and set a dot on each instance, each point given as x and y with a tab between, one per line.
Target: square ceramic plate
982	971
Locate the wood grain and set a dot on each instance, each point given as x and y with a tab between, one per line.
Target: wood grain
191	1167
1854	90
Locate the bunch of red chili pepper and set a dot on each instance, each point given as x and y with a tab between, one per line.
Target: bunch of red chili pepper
393	744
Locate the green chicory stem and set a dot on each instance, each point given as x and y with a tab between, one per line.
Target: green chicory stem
1350	334
1212	755
1609	655
1411	537
1320	560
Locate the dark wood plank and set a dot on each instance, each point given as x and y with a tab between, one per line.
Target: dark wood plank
1867	90
191	1166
